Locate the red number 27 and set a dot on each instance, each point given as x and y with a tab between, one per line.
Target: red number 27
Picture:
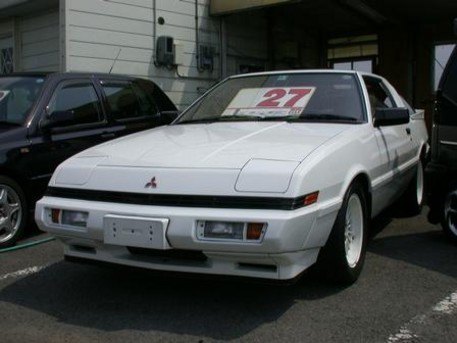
276	96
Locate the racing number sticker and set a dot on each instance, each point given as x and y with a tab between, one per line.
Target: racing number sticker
265	102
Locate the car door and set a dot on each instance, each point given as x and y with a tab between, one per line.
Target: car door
85	126
131	107
394	142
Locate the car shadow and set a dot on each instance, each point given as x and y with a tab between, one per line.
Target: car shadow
413	240
112	299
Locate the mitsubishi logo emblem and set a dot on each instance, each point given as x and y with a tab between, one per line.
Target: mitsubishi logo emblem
151	184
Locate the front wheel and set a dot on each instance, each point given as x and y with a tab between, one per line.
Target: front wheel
344	254
449	221
13	212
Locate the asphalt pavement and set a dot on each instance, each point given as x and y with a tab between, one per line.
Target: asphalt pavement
407	293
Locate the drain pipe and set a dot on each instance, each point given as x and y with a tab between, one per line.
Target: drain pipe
154	32
197	38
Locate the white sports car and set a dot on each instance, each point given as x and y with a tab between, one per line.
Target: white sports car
263	176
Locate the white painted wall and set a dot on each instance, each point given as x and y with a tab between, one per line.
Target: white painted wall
39	42
99	30
88	35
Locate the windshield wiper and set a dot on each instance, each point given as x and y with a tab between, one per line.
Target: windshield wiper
199	121
222	118
325	117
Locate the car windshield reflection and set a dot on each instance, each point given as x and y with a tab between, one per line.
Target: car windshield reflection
291	97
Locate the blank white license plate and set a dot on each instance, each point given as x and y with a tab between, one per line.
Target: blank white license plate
141	232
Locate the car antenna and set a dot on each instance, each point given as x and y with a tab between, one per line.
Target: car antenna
115	60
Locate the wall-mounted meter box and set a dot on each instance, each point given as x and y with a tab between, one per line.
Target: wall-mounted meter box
165	53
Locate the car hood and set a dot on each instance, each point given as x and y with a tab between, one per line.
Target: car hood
219	145
220	158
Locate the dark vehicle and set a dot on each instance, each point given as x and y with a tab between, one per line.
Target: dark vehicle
442	170
47	117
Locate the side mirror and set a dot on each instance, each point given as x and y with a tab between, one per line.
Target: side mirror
391	116
57	119
167	117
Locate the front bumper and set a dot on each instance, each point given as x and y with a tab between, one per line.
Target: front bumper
290	244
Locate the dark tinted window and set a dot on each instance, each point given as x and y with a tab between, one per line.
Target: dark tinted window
449	86
79	98
448	97
378	94
128	100
17	95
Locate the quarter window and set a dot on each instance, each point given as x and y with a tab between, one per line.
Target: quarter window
128	100
378	94
78	98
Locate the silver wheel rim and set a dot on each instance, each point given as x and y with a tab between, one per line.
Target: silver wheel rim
10	213
419	184
450	212
353	231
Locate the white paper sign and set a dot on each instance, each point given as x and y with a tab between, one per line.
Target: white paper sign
266	102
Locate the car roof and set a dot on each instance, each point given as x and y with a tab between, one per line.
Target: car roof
304	71
69	75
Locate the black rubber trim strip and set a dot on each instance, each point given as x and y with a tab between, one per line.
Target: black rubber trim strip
264	203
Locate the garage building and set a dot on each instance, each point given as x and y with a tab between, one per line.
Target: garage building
188	45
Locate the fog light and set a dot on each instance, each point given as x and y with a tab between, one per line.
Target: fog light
74	218
230	231
225	230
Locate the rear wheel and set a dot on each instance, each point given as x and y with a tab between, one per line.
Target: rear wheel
13	212
412	201
344	254
449	221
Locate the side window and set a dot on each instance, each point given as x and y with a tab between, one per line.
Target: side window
79	98
448	96
127	100
378	94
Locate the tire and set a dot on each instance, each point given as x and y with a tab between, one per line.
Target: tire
449	220
13	212
412	201
343	256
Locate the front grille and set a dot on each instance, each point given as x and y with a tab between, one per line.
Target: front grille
268	203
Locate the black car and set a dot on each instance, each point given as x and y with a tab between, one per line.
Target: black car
442	170
47	117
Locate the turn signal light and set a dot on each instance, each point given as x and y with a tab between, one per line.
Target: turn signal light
55	215
254	231
310	198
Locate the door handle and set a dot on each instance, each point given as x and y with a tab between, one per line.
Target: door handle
408	131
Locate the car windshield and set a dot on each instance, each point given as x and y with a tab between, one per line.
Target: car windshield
293	97
17	95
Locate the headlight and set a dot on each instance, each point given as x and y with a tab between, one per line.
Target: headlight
230	231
